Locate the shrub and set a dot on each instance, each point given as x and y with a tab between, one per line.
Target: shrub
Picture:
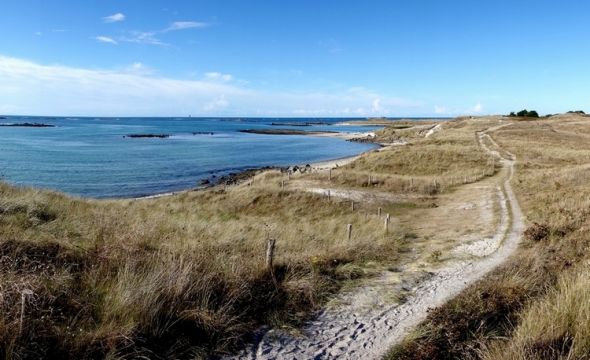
525	113
537	232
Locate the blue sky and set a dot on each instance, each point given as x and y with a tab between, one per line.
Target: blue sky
292	58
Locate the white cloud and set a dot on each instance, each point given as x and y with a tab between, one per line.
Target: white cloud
38	33
150	37
114	18
27	87
106	39
139	69
478	108
182	25
142	37
216	76
376	105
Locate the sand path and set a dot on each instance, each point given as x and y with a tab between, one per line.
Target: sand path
367	323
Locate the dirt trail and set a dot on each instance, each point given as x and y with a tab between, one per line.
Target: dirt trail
365	196
367	322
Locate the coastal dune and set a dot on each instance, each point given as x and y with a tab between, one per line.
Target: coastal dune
388	234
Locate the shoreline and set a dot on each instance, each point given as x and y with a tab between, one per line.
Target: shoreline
234	178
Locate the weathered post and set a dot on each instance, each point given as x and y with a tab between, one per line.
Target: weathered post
330	174
387	224
328	194
379	212
370	180
270	250
23	301
289	175
282	184
352	205
349	231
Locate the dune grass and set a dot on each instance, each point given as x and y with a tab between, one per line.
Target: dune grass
535	306
184	276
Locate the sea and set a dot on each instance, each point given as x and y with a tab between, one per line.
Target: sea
94	157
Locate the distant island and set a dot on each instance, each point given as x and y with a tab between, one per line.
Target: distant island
136	136
299	123
26	124
285	132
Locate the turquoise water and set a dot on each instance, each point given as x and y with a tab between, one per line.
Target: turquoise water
92	158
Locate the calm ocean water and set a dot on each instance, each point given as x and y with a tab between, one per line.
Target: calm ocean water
90	156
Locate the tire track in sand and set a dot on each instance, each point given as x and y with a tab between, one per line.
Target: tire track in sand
367	325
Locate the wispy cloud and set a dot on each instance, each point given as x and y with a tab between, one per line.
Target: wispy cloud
183	25
477	108
149	37
142	37
106	39
114	18
217	76
139	69
28	87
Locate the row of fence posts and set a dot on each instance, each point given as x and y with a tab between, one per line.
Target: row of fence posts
372	180
271	243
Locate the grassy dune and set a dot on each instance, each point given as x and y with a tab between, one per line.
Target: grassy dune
184	276
536	305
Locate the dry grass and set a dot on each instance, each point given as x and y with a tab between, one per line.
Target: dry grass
555	327
536	306
184	276
429	166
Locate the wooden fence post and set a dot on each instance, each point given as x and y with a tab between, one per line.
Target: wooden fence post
270	251
352	205
387	224
23	302
330	174
282	184
349	231
328	194
379	212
